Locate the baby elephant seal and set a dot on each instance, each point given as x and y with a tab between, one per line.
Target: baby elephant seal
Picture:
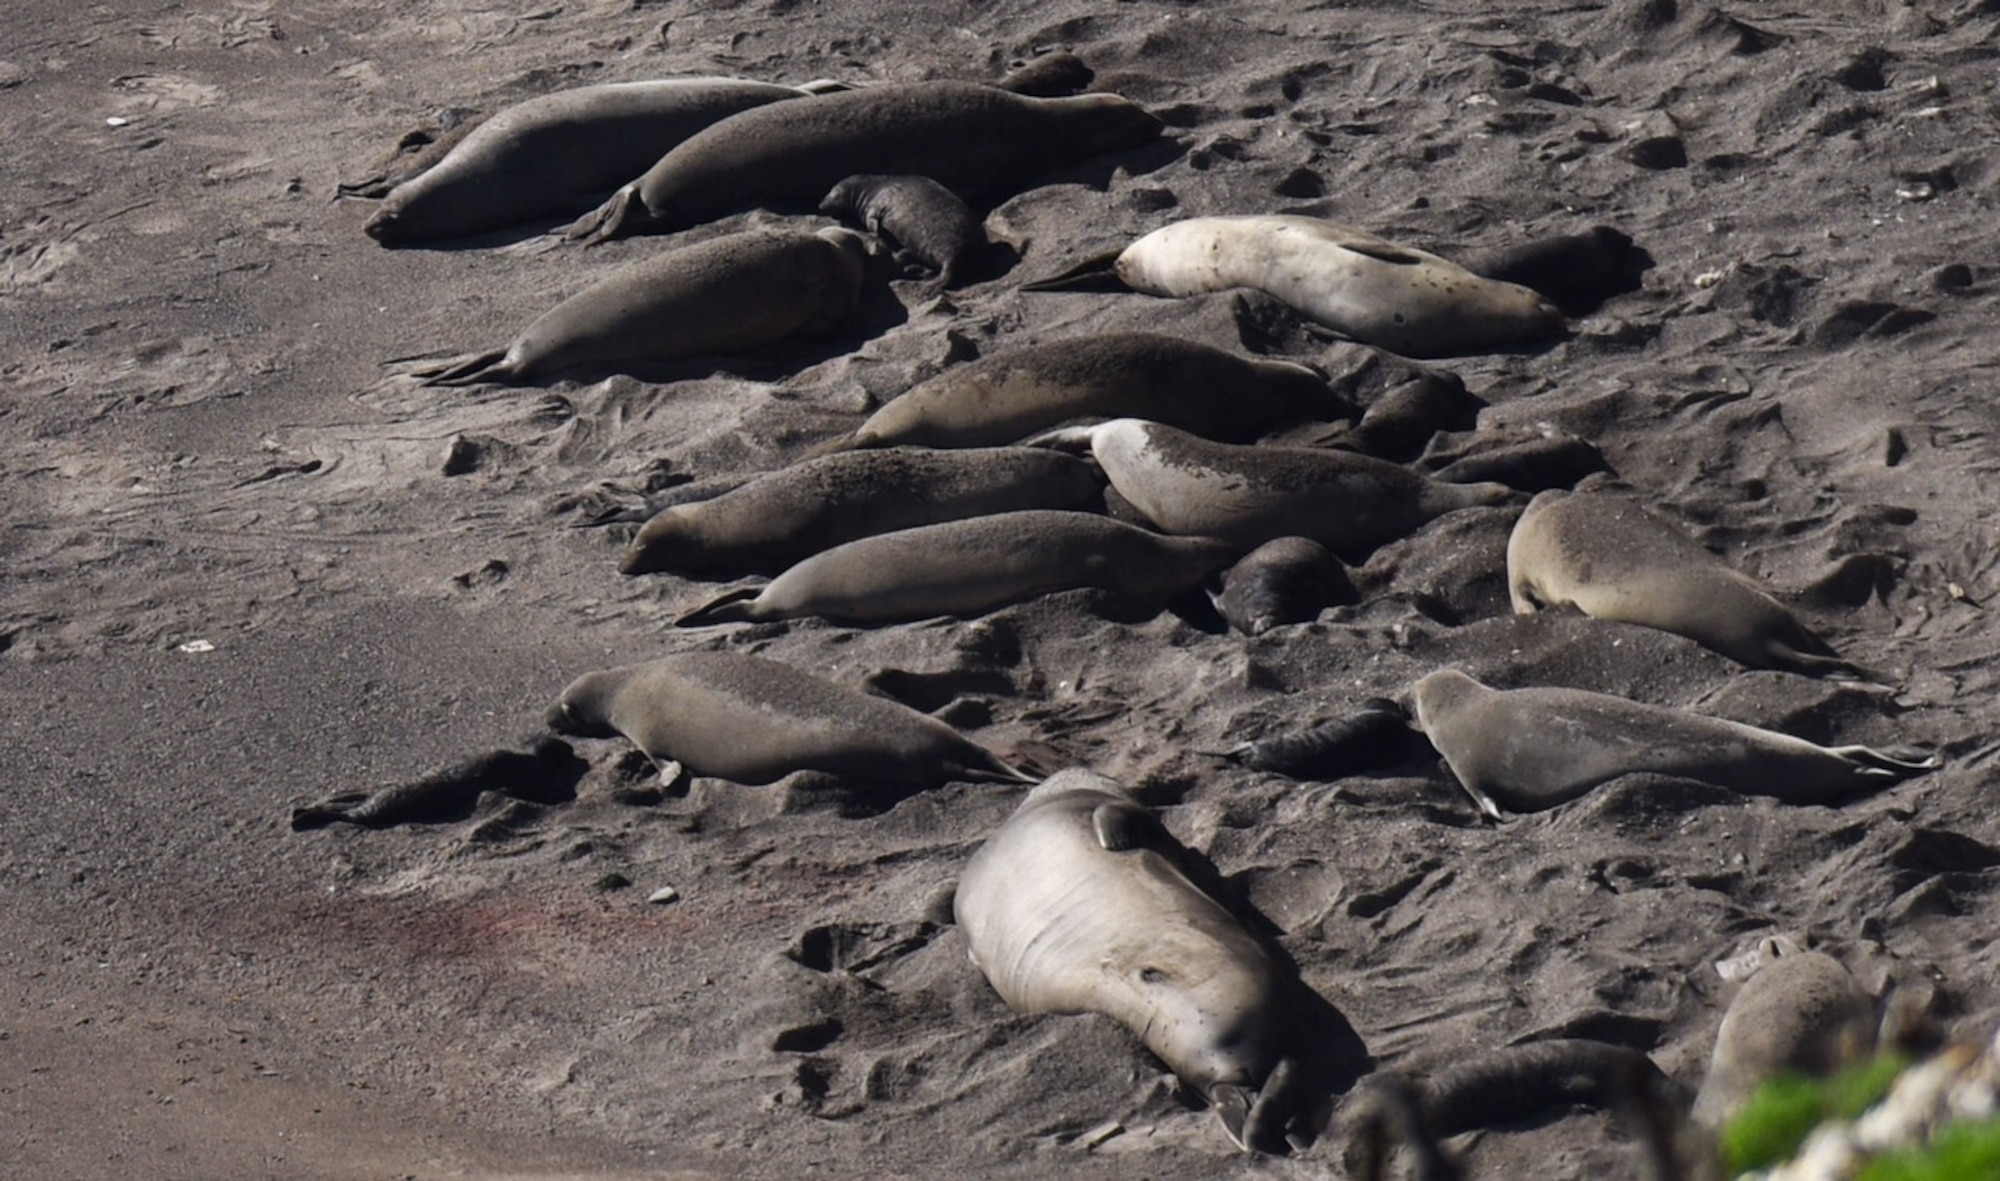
1196	387
1609	558
1080	904
732	294
1801	1012
1531	749
1376	735
1366	289
920	215
557	155
779	519
1283	581
973	139
755	721
1577	272
1250	495
970	567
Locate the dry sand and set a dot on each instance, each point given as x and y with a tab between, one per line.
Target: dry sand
202	444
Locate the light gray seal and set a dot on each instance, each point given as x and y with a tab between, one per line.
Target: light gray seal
975	140
1080	904
973	566
782	518
930	222
755	721
1608	557
731	294
1374	292
1531	749
556	155
1800	1012
1348	503
1197	387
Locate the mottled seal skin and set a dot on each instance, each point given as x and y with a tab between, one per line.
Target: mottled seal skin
973	566
1605	555
731	294
975	140
920	215
1801	1012
1288	580
1250	495
779	519
754	721
1009	396
1531	749
1393	297
1080	904
555	155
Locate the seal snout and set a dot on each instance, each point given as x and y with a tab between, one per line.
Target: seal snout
385	227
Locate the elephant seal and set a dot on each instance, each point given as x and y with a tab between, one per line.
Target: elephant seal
1800	1012
1376	735
930	222
555	155
973	566
779	519
1607	556
755	721
1080	904
1374	292
973	139
1531	749
1009	396
731	294
1286	580
1250	495
1577	272
546	772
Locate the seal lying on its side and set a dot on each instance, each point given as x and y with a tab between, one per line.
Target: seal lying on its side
554	155
1287	580
1531	749
1009	396
923	217
1608	557
1371	291
781	518
973	139
731	294
755	721
973	566
1800	1012
1080	904
1348	503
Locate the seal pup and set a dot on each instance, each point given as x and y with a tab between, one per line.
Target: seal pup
973	139
1286	580
1800	1012
755	721
1605	555
730	294
1374	736
556	155
973	566
1011	395
928	221
1531	749
1374	292
1080	904
781	518
1577	272
1348	503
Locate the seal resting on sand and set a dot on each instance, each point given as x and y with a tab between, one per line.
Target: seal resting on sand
753	720
930	222
1287	580
973	139
1079	904
1608	557
1371	291
731	294
973	566
1531	749
1800	1012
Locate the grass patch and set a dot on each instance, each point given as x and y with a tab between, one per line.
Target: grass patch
1961	1152
1786	1109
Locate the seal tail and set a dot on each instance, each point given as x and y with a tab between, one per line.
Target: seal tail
609	220
732	607
1092	274
487	366
1890	766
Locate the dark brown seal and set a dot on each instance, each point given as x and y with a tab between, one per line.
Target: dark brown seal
930	222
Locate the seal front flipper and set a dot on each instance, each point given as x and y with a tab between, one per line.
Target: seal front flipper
1096	273
730	607
487	366
613	219
1122	827
1892	766
1265	1125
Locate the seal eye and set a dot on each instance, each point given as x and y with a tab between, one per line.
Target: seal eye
1152	975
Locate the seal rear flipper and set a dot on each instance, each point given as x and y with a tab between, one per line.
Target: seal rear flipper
1267	1126
1092	274
836	445
1893	765
1076	440
487	366
331	810
729	607
1122	827
613	219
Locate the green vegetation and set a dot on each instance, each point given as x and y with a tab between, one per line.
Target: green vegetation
1786	1109
1961	1152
